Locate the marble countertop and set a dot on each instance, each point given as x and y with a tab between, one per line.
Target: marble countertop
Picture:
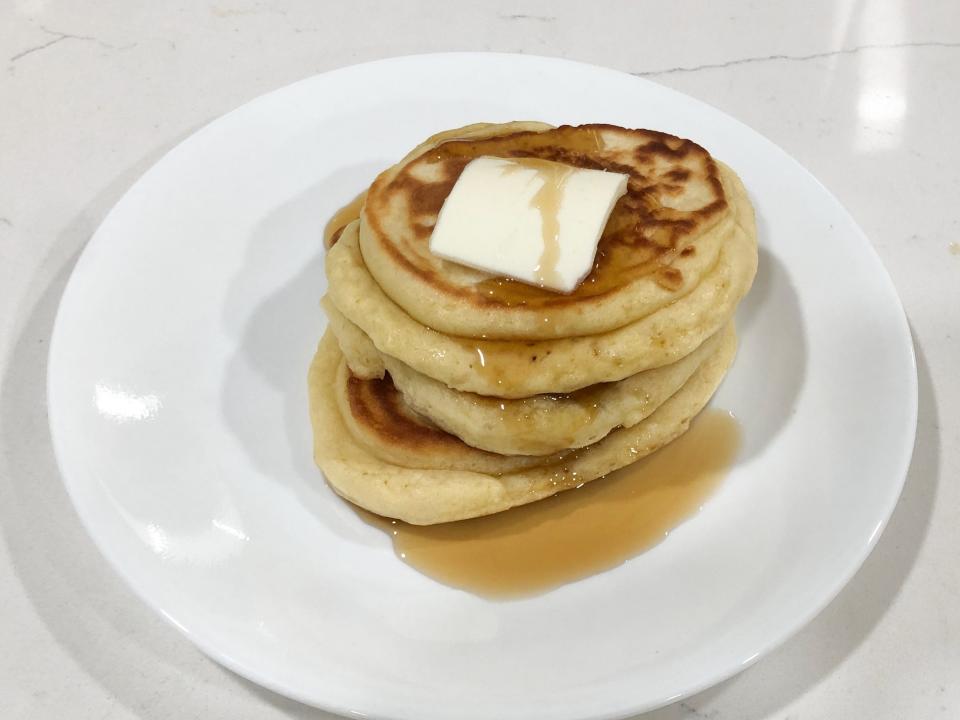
91	94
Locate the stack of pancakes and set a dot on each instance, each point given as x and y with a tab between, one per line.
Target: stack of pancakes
441	393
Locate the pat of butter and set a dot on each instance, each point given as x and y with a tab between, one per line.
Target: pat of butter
533	220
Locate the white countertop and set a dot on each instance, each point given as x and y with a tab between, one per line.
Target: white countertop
863	93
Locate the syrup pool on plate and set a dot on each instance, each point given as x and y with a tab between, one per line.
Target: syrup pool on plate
600	525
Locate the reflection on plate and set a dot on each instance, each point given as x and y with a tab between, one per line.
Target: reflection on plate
178	411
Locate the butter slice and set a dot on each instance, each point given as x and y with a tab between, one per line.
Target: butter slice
532	220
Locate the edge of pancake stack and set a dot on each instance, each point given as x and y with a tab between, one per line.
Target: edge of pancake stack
440	393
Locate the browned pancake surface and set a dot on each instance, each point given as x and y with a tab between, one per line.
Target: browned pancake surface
674	194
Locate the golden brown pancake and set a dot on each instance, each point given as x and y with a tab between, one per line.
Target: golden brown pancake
424	496
379	418
517	369
537	425
441	393
361	354
547	424
662	237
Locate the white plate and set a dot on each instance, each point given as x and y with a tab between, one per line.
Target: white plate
179	416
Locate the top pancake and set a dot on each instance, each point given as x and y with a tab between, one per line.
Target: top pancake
518	369
662	237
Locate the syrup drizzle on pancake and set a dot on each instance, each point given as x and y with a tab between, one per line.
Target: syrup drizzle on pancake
546	201
642	238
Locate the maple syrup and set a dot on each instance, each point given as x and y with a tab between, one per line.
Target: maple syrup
581	532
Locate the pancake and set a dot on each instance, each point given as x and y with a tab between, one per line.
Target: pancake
379	419
538	425
427	496
524	368
360	353
662	237
547	424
